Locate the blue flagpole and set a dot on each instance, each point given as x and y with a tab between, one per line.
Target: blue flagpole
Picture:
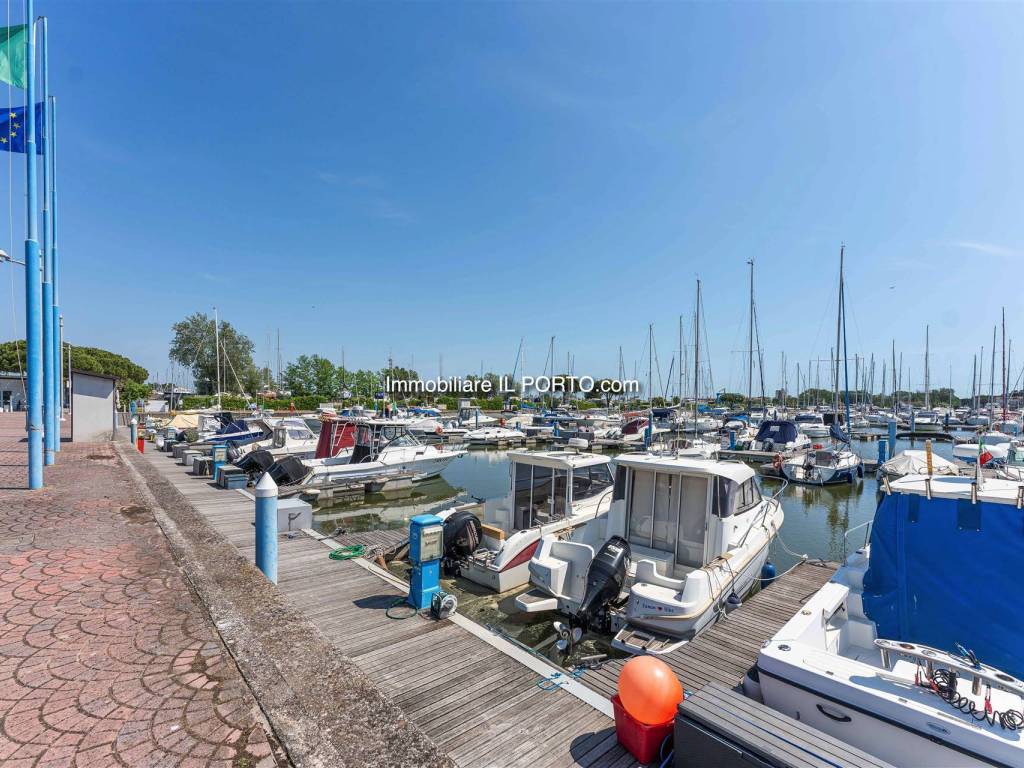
58	354
33	285
52	424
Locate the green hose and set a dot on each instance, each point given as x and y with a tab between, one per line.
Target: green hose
399	602
347	553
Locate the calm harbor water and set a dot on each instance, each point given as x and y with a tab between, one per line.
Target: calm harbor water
816	522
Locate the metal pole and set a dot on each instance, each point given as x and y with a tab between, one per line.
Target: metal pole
52	423
58	381
266	527
33	280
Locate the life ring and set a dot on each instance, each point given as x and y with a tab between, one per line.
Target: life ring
777	461
501	422
438	430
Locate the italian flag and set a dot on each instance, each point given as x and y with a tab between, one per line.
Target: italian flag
984	457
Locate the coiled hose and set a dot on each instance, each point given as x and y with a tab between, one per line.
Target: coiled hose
944	684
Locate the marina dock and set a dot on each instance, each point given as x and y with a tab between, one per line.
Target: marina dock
483	700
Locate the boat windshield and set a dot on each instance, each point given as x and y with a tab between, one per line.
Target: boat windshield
590	481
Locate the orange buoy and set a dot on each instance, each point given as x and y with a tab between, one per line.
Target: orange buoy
649	690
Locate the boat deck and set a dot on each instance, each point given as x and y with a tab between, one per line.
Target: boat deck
482	699
725	652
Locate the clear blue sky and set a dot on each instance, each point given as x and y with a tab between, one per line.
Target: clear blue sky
427	178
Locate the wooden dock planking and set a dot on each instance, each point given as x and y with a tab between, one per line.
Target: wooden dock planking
728	649
478	703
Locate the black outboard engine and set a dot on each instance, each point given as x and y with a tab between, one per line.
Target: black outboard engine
605	577
462	536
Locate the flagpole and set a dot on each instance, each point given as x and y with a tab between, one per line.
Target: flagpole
58	323
33	286
52	423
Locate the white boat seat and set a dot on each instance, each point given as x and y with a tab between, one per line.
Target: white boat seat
654	566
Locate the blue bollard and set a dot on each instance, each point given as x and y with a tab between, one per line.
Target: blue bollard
732	439
882	445
266	527
892	438
133	425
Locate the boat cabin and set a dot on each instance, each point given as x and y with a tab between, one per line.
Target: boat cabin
673	511
544	485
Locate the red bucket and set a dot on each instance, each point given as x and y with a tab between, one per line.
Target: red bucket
643	741
140	443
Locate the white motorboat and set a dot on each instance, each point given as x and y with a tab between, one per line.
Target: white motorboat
824	466
494	436
926	421
381	448
681	538
551	493
995	444
811	424
912	651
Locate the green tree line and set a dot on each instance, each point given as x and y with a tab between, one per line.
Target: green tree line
131	376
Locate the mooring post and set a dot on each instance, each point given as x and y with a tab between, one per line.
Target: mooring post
266	527
133	425
892	437
732	439
882	446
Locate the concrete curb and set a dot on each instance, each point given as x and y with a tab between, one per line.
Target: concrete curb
321	707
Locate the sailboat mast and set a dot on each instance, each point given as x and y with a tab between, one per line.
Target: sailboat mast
974	382
1004	364
842	316
216	344
650	364
750	340
927	382
992	375
839	330
696	360
680	363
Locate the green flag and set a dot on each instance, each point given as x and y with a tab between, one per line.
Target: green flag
12	55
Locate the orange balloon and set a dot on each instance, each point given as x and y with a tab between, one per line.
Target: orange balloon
649	690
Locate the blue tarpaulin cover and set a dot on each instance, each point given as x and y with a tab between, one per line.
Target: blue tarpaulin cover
947	571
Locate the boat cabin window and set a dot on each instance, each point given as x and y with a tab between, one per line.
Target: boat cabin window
541	495
749	496
279	437
668	512
620	484
590	481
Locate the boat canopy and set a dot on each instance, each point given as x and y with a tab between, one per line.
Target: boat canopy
557	459
780	432
730	470
335	435
944	571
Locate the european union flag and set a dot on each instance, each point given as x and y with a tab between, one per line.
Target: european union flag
12	130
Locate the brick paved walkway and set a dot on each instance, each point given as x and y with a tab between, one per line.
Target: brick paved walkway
106	657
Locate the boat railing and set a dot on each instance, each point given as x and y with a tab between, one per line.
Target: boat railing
867	536
773	503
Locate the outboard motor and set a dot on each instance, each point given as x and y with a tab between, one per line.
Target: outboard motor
256	462
462	536
288	470
605	577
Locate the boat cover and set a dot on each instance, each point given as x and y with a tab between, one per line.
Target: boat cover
946	571
916	463
779	432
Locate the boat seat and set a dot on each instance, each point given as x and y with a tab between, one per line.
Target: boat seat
654	565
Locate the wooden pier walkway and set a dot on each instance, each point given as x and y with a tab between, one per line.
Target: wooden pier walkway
726	651
474	693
